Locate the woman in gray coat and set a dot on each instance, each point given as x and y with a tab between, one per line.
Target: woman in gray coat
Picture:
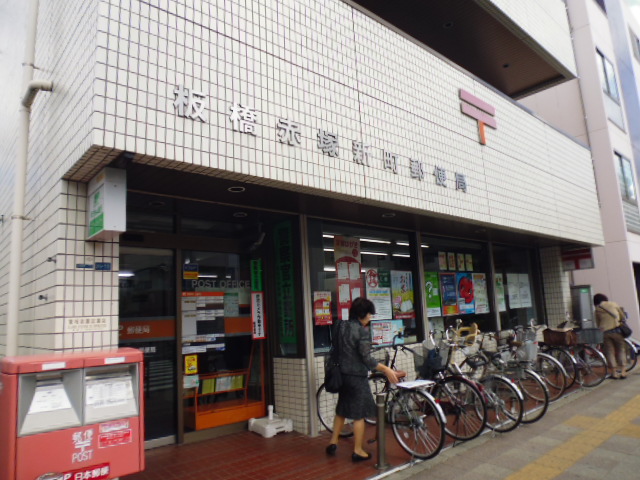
355	400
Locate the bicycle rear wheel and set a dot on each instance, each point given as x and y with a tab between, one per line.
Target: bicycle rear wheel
504	403
417	423
553	374
592	366
536	395
463	407
326	408
630	355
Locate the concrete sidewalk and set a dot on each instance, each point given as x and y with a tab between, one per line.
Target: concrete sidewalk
590	434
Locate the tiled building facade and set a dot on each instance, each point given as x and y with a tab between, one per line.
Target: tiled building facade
324	116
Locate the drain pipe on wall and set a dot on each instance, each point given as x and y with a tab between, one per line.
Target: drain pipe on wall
32	87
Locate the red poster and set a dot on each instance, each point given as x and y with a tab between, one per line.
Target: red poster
322	308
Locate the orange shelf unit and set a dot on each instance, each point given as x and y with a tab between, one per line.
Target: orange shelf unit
208	412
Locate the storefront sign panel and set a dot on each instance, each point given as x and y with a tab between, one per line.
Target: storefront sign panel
258	316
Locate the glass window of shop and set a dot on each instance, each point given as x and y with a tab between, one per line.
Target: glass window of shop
148	322
457	282
347	262
221	359
517	283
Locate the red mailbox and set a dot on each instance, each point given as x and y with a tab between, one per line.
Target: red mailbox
72	416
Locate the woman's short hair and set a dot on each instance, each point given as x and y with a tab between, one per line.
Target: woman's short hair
598	298
360	307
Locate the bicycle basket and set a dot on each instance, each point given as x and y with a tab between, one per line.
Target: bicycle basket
527	352
559	337
526	335
589	335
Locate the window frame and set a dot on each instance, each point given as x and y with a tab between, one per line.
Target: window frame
608	77
626	179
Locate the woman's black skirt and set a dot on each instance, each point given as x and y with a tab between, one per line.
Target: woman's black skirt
355	400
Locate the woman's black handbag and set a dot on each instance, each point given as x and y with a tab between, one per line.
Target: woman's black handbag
332	373
624	329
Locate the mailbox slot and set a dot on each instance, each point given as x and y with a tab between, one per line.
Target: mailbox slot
49	401
110	392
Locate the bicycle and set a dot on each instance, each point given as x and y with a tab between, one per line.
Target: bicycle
504	399
460	399
483	362
525	352
416	419
590	365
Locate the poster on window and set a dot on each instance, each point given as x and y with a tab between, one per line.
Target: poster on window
525	291
402	294
322	308
379	292
346	251
468	260
480	291
442	260
466	297
461	264
432	294
203	317
451	260
499	288
513	290
449	295
383	332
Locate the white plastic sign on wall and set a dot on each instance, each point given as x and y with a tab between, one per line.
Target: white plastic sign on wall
107	200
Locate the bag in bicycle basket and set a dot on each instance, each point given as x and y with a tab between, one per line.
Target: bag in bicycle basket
560	338
435	361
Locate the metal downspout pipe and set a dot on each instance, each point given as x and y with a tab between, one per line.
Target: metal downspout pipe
18	217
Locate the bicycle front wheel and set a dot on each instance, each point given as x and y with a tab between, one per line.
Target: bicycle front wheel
417	423
463	407
504	403
592	366
567	361
536	395
326	408
553	374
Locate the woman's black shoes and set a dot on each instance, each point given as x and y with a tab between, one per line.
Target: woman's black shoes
331	449
359	458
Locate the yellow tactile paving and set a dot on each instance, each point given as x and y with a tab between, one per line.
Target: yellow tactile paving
595	432
630	431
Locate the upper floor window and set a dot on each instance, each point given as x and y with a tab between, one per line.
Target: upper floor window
602	5
635	44
608	77
625	178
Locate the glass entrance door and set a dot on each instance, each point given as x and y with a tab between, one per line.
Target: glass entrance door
148	322
222	364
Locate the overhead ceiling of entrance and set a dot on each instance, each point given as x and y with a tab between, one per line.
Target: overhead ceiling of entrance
174	184
468	35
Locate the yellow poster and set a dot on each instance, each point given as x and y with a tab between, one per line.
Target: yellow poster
190	364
